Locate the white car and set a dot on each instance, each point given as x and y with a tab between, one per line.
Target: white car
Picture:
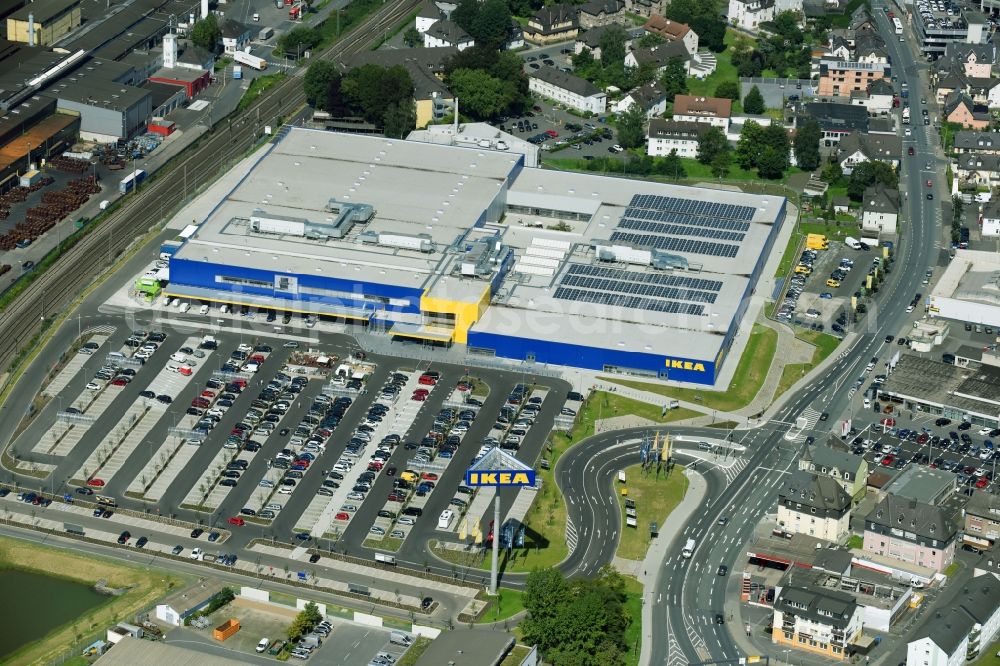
93	386
265	483
286	490
203	309
263	644
291	344
196	554
984	431
245	348
273	506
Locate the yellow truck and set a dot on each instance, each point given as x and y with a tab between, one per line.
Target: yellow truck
817	242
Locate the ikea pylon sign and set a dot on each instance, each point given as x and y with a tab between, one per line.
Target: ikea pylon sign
500	478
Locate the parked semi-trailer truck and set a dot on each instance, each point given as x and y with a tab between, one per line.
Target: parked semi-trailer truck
249	60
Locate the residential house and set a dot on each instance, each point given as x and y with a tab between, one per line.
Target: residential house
857	147
911	531
984	92
880	210
816	619
814	505
515	36
651	98
736	124
990	226
974	60
432	98
837	78
849	470
596	13
646	7
659	56
554	23
840	48
975	169
869	48
959	109
446	33
235	36
984	143
749	14
836	120
673	31
591	39
712	110
958	632
878	101
569	89
948	83
429	14
665	136
982	512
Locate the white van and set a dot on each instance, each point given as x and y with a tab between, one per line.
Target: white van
179	357
224	309
445	520
185	306
203	309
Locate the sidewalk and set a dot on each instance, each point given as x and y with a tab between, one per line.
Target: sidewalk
652	567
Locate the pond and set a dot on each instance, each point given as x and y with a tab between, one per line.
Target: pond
36	604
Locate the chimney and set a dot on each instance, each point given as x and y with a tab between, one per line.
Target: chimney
31	29
204	9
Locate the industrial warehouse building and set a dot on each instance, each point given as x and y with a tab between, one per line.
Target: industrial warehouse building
969	289
457	245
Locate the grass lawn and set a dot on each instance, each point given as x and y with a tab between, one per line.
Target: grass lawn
952	569
825	345
506	604
655	498
988	657
856	541
386	543
747	380
416	650
516	656
725	70
345	19
545	524
144	586
257	88
633	634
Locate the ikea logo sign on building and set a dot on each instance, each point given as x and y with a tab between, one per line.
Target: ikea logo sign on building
500	478
678	364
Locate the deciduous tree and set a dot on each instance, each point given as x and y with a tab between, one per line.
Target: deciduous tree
317	81
206	33
712	142
807	140
632	127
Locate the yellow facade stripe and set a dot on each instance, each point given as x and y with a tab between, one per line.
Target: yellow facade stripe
466	313
424	336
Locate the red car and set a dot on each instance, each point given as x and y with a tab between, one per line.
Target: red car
96	483
910	151
200	402
463	386
429	476
207	394
121	381
930	183
888	422
419	397
982	482
888	461
426	380
375	466
236	520
922	439
552	133
343	515
303	461
396	497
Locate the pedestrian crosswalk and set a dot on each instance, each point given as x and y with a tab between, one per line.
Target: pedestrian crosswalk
811	416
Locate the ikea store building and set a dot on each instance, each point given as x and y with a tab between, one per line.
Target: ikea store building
466	246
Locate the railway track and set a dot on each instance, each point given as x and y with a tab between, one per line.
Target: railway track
230	138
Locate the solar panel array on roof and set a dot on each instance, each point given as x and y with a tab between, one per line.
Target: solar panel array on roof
677	244
648	278
667	220
692	206
655	290
630	302
642	291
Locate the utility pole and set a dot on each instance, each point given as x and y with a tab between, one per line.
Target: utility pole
495	558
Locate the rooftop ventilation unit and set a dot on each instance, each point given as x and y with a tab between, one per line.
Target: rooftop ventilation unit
629	254
420	242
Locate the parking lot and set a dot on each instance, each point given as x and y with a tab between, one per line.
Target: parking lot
242	429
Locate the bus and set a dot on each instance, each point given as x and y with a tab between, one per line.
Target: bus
898	25
104	500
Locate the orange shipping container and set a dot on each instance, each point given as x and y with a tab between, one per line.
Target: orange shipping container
225	630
